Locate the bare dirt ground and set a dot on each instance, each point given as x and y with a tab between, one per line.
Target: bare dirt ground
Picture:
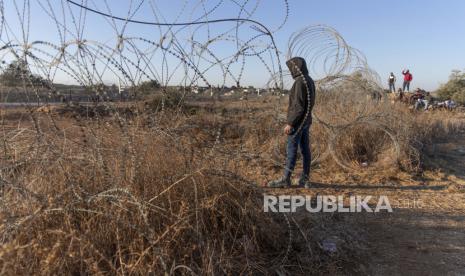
425	234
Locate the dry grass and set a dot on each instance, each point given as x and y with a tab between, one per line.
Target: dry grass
176	194
121	197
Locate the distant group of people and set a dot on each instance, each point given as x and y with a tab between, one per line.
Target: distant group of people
408	77
418	99
423	99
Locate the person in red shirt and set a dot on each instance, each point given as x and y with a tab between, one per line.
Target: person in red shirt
407	79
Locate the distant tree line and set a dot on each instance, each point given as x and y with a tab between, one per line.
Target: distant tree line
17	73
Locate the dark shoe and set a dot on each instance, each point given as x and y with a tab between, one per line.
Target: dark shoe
304	182
280	183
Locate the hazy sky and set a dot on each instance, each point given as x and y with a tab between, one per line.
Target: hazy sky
426	36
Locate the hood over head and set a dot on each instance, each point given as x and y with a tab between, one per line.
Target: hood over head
297	66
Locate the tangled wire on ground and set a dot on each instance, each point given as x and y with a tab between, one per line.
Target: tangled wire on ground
146	193
191	53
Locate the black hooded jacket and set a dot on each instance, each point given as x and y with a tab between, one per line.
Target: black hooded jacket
301	95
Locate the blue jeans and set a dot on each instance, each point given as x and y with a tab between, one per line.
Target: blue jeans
298	140
406	85
392	87
421	102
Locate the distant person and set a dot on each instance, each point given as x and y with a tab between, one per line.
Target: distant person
428	100
299	120
418	94
448	104
408	77
423	98
392	83
400	91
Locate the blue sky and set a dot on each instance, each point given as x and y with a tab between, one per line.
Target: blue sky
425	36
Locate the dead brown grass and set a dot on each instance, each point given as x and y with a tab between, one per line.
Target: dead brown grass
123	197
169	193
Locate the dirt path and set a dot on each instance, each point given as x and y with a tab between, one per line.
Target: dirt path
417	243
425	235
427	239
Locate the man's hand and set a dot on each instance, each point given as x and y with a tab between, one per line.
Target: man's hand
288	129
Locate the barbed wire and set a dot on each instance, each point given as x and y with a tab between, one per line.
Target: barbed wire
339	70
332	62
204	47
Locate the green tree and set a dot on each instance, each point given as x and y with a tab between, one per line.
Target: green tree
17	73
149	85
454	88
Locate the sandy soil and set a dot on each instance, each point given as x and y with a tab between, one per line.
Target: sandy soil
427	239
425	234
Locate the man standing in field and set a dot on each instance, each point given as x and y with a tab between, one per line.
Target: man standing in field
392	83
299	120
407	79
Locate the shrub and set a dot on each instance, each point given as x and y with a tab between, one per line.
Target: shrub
167	100
459	96
454	88
17	73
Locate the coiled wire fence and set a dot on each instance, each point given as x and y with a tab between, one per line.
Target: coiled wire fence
187	44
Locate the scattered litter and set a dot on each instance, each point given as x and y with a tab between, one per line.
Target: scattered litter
329	246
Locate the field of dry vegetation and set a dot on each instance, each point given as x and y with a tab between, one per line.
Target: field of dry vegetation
134	190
